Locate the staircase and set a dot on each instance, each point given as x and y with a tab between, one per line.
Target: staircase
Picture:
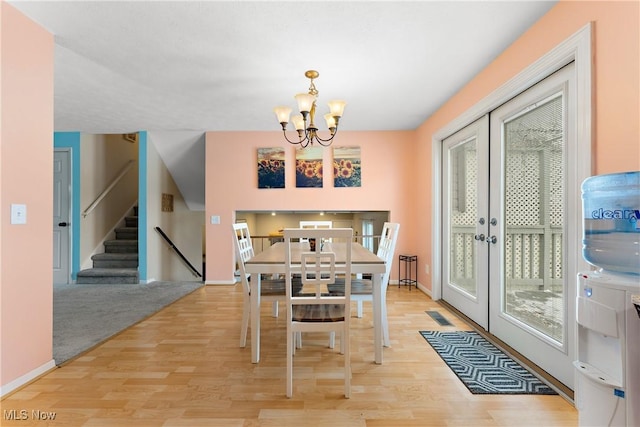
119	262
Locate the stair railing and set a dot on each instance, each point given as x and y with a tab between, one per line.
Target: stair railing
106	191
177	251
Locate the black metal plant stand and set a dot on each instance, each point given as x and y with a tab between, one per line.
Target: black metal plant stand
410	277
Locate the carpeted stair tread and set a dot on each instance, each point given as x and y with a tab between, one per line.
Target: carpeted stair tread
120	245
109	272
127	228
126	233
115	260
121	242
108	276
116	256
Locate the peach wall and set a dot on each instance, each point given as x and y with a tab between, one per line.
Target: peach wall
388	183
26	167
616	89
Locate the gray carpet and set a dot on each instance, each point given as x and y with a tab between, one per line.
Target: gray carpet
86	315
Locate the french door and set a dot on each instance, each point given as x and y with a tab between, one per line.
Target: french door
465	206
504	227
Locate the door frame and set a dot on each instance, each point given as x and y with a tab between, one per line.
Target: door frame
577	48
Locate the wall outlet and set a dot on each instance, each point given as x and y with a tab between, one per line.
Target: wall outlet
426	268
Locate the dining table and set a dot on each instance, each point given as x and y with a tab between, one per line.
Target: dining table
271	261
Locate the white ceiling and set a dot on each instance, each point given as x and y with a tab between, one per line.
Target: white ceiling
166	66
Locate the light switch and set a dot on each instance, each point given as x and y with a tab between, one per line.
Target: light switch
215	219
18	214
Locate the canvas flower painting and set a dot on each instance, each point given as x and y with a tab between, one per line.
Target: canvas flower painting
309	170
270	168
346	167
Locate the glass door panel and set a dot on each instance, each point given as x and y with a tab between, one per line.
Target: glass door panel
534	190
465	204
530	303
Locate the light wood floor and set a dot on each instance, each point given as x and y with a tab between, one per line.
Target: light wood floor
183	367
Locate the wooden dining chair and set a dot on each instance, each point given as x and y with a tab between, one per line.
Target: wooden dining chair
314	309
270	289
362	289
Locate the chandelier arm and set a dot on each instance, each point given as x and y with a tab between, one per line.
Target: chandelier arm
321	140
301	141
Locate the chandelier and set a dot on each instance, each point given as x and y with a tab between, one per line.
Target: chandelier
304	122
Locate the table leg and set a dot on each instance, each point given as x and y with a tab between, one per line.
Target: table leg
377	317
255	318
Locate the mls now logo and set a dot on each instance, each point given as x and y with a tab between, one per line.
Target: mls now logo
23	415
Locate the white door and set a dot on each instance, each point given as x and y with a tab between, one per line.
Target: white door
61	216
505	241
532	290
465	206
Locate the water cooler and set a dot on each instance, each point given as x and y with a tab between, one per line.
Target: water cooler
607	386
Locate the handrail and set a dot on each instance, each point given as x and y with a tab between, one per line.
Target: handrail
193	269
104	193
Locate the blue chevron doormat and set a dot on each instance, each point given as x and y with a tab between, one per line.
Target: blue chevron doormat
481	366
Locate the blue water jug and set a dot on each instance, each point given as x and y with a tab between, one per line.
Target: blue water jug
611	212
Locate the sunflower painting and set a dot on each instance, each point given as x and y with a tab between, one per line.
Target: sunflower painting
270	168
346	167
309	167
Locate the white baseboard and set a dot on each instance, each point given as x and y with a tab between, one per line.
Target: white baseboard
26	378
425	290
419	286
220	282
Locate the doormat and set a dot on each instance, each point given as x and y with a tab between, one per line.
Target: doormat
482	367
442	321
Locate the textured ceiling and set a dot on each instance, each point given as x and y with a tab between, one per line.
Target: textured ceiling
180	68
123	66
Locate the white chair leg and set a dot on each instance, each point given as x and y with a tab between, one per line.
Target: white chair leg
385	322
245	324
298	340
332	340
290	351
359	309
346	347
274	309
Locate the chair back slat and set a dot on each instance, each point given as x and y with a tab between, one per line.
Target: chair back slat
387	247
244	250
314	224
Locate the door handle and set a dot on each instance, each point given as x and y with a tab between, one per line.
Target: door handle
480	237
63	224
492	239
